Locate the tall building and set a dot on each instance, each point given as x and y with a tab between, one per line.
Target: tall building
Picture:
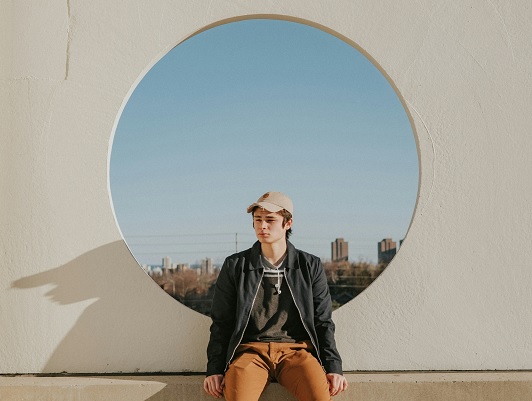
339	250
181	267
207	266
167	262
386	250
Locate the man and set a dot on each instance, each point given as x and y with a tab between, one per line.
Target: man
271	316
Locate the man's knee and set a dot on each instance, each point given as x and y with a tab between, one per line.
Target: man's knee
246	378
304	377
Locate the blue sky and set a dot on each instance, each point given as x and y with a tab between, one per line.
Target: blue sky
256	106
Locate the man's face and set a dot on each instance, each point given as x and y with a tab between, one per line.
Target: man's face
269	227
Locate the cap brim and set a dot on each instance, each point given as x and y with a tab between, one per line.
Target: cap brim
270	207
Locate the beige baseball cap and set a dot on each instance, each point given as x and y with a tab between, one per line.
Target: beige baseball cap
273	202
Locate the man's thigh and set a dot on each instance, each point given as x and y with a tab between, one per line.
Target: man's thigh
246	378
301	373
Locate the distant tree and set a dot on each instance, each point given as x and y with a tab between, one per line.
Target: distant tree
347	280
184	282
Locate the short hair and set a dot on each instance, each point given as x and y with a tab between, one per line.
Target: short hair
285	214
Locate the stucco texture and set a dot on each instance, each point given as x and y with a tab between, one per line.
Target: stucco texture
456	296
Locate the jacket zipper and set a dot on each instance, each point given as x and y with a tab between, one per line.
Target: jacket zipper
302	321
247	321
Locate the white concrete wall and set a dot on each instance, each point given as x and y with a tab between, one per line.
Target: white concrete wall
457	296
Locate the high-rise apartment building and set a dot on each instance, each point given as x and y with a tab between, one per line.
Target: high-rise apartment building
339	250
181	267
386	250
207	267
167	262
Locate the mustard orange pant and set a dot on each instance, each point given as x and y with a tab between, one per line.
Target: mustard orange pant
292	365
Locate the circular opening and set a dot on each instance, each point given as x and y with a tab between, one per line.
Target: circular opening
254	106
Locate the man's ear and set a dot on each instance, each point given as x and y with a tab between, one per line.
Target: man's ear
288	224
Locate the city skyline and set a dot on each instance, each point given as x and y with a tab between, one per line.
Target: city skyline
386	250
194	285
256	106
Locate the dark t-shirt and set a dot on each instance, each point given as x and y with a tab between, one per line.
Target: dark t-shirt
274	316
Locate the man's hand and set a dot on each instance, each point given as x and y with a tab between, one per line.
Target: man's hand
337	383
214	385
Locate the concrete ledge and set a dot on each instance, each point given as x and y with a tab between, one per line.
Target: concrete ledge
400	386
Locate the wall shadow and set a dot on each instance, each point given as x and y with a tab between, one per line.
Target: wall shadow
117	329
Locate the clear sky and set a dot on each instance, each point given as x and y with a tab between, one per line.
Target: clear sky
257	106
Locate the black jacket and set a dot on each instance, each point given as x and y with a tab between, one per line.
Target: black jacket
235	293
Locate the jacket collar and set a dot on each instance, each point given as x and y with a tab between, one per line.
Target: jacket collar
292	261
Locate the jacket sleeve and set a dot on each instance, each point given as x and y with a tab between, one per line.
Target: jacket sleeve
223	319
323	323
